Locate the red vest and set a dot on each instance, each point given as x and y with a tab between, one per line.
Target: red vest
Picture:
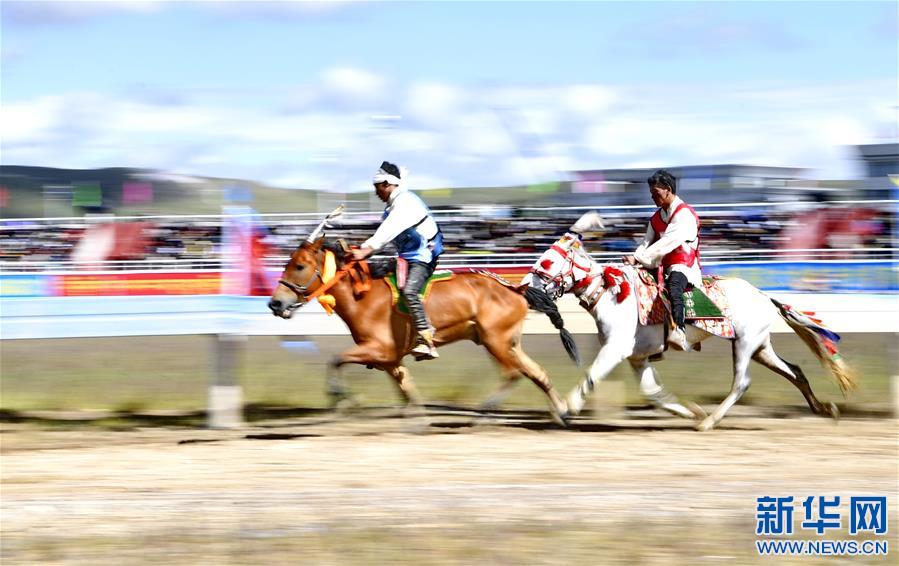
683	254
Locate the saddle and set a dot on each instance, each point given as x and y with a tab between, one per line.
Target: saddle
706	308
393	272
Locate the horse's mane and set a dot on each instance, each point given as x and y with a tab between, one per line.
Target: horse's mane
334	246
379	269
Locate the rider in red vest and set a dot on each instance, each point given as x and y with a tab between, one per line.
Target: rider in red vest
672	242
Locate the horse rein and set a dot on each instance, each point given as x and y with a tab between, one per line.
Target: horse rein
360	285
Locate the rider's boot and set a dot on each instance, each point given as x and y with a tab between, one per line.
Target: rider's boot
425	349
678	339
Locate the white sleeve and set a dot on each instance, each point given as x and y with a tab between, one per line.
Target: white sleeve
404	213
681	229
647	238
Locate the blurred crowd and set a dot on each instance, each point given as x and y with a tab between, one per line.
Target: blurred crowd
518	232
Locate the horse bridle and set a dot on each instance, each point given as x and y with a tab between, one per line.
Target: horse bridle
559	280
300	290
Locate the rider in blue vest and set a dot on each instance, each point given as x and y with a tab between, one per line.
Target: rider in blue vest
407	223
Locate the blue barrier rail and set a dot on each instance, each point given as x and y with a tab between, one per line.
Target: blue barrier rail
858	293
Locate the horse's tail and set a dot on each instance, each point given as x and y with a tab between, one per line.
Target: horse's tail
539	301
822	342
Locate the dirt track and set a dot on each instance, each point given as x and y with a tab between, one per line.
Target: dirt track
645	490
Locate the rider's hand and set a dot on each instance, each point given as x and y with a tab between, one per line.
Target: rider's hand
629	259
358	254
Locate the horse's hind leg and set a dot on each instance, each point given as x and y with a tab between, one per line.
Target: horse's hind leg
742	354
533	371
769	358
653	390
514	363
495	399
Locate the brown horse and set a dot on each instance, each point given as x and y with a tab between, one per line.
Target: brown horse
469	306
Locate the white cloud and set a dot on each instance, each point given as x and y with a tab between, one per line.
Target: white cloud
622	136
282	9
70	12
423	181
353	85
837	130
445	134
433	104
588	100
29	122
480	134
413	141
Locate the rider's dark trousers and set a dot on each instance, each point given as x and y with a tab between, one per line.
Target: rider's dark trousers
418	275
676	283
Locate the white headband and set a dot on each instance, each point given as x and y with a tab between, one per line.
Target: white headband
382	176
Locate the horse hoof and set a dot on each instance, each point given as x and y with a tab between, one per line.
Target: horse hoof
348	404
563	419
488	407
698	412
706	425
416	426
574	403
484	420
833	410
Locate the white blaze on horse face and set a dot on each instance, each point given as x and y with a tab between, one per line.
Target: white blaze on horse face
548	268
554	267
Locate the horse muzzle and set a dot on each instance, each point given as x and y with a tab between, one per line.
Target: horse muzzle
282	309
547	284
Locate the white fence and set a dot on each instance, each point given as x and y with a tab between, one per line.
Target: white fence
71	317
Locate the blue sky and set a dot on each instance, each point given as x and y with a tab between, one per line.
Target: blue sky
315	95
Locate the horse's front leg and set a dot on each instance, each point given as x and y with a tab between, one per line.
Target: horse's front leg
653	390
369	354
403	379
336	388
609	356
416	419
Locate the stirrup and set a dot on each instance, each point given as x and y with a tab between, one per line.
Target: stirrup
680	345
424	352
425	349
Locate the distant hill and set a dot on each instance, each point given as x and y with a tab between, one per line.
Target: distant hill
49	192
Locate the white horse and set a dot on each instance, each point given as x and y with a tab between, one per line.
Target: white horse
566	267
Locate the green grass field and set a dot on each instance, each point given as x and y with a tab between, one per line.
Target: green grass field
141	374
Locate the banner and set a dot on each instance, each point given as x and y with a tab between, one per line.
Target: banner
796	277
113	284
87	195
26	286
814	277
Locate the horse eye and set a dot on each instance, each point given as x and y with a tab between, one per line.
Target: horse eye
301	267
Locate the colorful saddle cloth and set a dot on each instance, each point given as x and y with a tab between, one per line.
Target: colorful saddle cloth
400	303
706	308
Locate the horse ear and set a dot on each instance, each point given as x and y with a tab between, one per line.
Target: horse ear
317	244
